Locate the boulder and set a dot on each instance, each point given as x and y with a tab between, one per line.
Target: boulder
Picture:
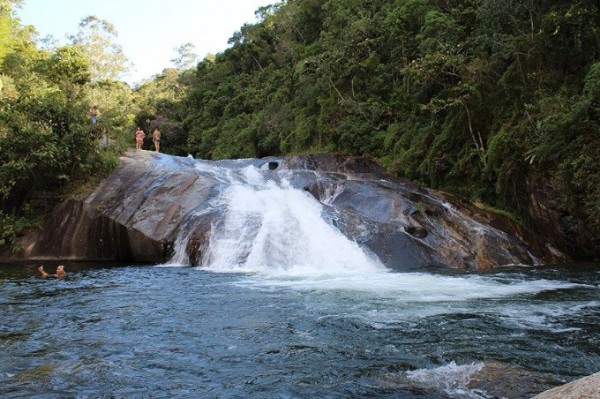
564	229
156	206
583	388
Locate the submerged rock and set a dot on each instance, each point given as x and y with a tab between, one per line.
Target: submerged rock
490	379
157	206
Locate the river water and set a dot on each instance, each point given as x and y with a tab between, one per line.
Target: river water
162	331
285	306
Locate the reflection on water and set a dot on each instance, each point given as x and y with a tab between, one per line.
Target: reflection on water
169	332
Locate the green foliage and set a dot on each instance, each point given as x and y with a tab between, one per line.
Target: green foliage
48	145
476	97
12	227
186	57
67	66
6	23
471	96
569	143
97	40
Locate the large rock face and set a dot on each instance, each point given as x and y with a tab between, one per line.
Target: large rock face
566	230
583	388
156	206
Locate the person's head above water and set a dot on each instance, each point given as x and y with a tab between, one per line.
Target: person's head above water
60	271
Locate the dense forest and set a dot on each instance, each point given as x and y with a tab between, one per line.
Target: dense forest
497	101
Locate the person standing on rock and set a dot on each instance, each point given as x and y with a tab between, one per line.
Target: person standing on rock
139	138
156	139
94	114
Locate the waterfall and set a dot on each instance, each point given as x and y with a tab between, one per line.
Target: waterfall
271	228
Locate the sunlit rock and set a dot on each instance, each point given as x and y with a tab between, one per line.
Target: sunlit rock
586	387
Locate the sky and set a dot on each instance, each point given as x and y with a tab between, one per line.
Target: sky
148	30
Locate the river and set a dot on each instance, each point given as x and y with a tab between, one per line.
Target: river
170	331
286	306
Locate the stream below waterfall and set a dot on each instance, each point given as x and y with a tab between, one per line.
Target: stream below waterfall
283	305
167	331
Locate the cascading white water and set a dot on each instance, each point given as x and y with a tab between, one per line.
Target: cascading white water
272	228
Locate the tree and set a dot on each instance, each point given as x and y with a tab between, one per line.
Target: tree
186	57
47	144
96	37
7	25
97	40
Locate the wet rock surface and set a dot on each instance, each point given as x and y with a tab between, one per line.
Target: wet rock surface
491	379
565	229
155	202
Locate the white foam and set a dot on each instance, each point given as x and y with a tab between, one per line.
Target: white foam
389	300
272	230
276	235
417	287
449	374
545	316
252	176
452	379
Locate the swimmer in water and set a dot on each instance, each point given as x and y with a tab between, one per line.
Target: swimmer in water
42	272
60	272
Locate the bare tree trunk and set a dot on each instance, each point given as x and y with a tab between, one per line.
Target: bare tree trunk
477	140
336	89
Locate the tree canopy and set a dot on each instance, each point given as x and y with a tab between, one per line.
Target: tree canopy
482	98
477	97
97	39
48	145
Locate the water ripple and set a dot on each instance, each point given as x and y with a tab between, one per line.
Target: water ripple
165	332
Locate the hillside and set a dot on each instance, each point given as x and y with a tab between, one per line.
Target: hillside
498	102
495	102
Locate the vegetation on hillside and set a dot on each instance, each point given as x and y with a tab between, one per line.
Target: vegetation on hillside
477	97
48	145
481	98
